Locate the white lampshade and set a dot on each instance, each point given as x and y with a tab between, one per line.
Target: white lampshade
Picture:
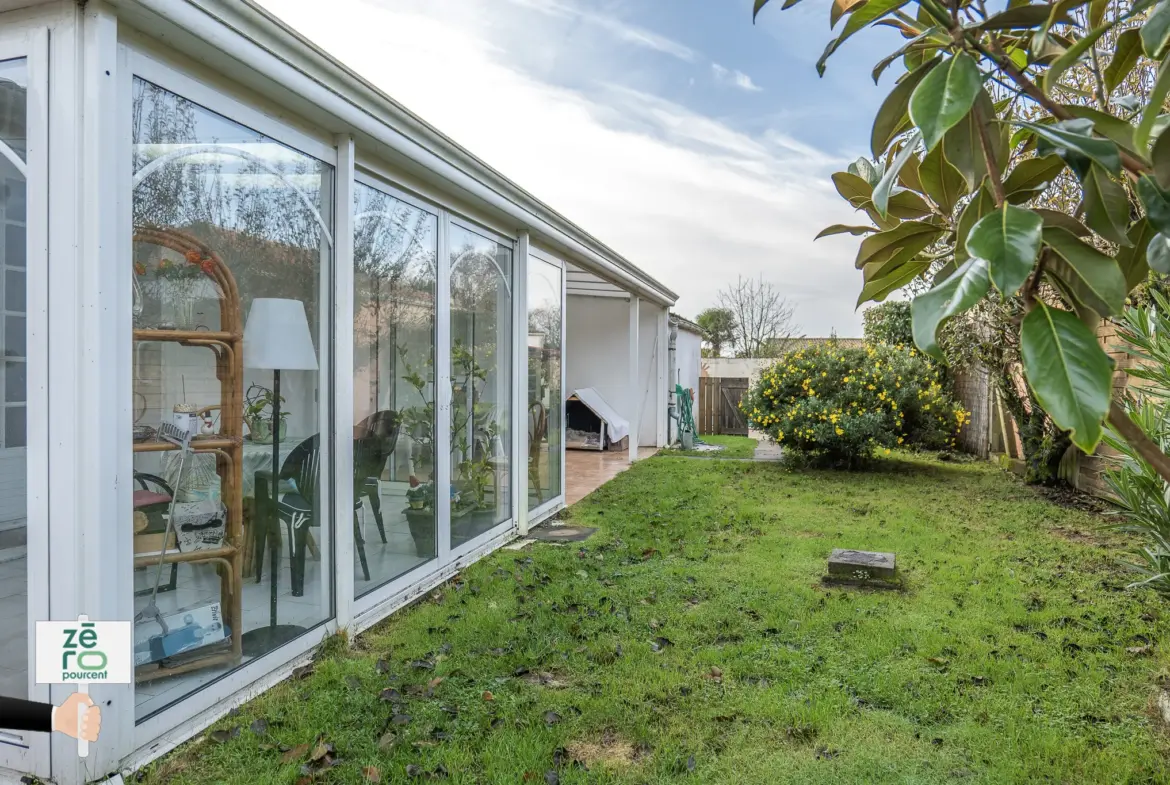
277	338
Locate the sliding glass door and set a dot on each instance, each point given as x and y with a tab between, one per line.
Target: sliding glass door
395	256
481	382
545	396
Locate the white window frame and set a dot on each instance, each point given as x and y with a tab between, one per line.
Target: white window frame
189	710
556	503
32	45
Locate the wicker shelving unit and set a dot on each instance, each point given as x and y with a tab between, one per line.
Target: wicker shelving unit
228	345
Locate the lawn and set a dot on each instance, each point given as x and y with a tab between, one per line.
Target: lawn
733	447
690	640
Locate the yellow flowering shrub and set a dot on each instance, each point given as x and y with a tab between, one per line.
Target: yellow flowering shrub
834	406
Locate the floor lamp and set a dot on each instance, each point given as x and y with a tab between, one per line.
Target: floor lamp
276	338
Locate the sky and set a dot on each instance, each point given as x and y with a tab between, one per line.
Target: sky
693	143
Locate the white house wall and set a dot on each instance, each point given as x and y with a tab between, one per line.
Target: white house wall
688	358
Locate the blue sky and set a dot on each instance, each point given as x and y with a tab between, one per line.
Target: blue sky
696	144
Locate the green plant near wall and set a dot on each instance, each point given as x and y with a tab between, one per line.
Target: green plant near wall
474	472
1141	494
990	115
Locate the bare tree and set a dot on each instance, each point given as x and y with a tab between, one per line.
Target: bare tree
763	319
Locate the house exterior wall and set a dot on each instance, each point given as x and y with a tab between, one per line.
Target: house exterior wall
688	356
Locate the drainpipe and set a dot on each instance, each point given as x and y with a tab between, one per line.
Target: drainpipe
672	404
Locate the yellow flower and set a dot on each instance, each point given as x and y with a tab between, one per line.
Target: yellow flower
840	432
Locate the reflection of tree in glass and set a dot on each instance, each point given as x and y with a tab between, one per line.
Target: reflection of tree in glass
394	280
254	218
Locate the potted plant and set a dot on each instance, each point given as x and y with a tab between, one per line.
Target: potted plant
258	415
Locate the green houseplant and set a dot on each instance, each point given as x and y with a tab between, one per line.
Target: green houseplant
258	415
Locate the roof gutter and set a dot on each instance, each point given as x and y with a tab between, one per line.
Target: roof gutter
260	41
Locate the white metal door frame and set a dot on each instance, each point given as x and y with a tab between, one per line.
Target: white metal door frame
32	45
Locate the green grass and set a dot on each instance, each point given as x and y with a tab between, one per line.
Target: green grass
1003	662
733	447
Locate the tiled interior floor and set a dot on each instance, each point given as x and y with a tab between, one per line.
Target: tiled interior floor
198	584
588	470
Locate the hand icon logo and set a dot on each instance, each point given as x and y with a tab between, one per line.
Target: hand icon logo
78	717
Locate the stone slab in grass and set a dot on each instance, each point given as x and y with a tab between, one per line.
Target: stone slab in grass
546	533
862	568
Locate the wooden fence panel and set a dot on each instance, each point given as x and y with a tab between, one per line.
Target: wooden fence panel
732	420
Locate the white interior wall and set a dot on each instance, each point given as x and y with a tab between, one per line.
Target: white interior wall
596	348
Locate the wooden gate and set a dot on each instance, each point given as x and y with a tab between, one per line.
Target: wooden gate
719	406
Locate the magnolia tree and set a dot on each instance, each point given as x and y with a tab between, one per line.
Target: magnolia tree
979	128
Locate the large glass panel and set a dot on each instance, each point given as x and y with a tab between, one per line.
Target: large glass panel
13	499
394	255
481	383
545	401
232	258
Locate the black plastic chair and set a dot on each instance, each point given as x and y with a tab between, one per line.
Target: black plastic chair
374	440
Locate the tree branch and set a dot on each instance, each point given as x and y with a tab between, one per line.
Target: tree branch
993	172
1145	446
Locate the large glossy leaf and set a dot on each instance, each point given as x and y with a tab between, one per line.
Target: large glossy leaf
1156	31
1153	109
1068	371
929	311
1125	57
1032	175
1093	277
1097	10
981	203
1009	239
1160	158
889	263
962	145
881	246
1021	17
879	289
941	181
1105	124
840	8
908	206
759	5
881	193
1106	206
921	42
1073	141
1063	221
944	97
892	118
1156	200
843	229
1133	259
870	171
853	188
860	18
1158	253
908	177
1071	56
1059	11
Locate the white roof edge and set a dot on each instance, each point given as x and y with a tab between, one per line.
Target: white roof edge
260	27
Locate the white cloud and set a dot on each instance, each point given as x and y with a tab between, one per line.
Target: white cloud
620	29
735	78
686	197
